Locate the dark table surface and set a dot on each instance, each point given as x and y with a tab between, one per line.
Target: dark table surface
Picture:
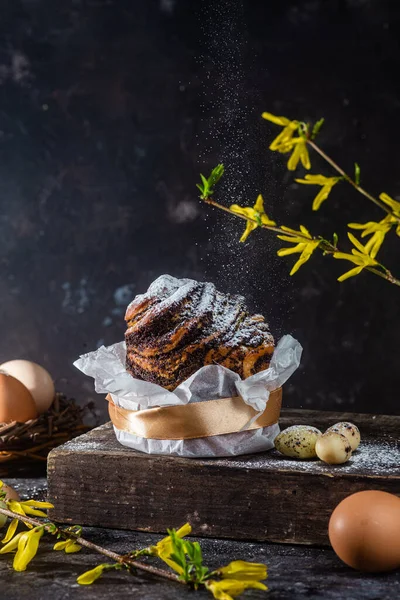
294	571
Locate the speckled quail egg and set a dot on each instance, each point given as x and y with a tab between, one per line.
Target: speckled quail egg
298	441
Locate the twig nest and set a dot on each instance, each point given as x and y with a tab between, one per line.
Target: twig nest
333	448
298	441
350	431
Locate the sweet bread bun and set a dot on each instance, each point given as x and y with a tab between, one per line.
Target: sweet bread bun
180	325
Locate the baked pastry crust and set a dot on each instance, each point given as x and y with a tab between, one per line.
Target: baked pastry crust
180	325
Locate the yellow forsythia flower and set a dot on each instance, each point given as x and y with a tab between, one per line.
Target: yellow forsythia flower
285	142
305	245
244	571
327	184
286	134
230	588
300	153
28	543
395	206
256	213
12	528
29	507
378	232
12	545
89	577
360	256
283	121
163	549
24	508
68	545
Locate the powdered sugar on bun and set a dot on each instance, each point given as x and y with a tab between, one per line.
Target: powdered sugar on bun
180	325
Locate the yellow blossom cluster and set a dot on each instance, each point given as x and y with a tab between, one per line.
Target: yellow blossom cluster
26	544
378	229
304	242
362	256
286	142
326	184
256	216
164	548
28	507
236	577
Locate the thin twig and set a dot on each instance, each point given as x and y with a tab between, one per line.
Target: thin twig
325	246
263	226
355	185
49	527
386	275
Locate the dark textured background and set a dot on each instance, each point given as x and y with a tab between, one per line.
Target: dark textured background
108	111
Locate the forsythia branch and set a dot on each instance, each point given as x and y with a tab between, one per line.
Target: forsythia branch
55	530
287	142
351	181
183	556
362	256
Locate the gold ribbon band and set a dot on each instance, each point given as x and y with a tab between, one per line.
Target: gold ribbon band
196	420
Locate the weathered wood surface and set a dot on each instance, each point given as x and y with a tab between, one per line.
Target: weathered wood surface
93	480
300	572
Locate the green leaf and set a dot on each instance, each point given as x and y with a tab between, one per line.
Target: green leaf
188	556
178	545
178	559
52	528
335	239
357	173
189	550
198	557
207	185
216	174
258	219
316	128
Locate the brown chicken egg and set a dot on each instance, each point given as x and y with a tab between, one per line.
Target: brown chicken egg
364	531
16	402
35	378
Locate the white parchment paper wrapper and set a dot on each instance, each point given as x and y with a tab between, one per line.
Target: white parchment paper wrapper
107	367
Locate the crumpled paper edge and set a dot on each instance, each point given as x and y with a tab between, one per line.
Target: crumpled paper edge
107	366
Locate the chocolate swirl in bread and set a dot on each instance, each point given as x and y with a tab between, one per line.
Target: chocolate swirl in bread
180	325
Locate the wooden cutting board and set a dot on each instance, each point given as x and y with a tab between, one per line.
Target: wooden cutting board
93	480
